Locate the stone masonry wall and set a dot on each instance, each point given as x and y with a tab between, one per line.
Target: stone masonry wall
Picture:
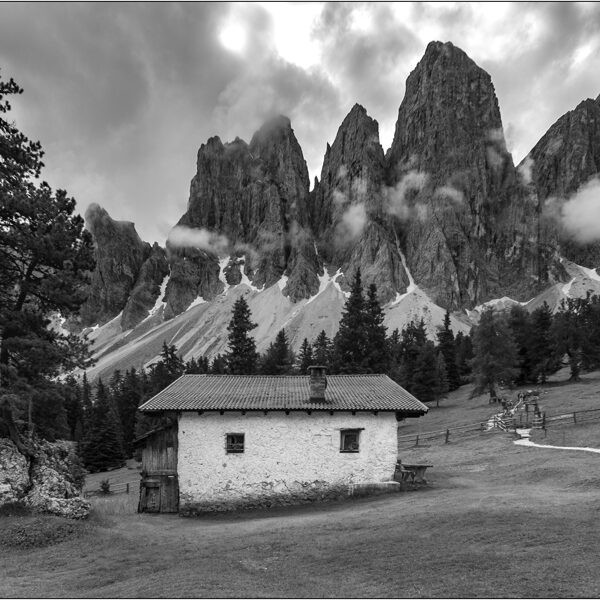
287	459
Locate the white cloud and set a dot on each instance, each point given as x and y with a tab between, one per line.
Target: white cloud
187	237
580	214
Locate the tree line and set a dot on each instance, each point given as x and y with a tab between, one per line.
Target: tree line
518	347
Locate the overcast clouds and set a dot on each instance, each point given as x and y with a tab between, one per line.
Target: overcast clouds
122	95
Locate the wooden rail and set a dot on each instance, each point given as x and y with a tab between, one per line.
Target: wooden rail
115	488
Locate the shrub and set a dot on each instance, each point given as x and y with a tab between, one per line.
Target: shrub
105	487
38	532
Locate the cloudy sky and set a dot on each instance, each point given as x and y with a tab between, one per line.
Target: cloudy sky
122	95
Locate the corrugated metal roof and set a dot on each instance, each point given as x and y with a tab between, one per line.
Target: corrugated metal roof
263	392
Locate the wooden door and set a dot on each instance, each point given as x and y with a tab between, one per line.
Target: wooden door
169	494
150	500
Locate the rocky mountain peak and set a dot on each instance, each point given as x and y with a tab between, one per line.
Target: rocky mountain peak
474	234
128	271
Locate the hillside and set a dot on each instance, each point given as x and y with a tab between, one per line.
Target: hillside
488	503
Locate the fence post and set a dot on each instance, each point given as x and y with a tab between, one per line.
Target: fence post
417	441
127	489
574	417
447	435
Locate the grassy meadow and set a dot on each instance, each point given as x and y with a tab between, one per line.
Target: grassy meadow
495	520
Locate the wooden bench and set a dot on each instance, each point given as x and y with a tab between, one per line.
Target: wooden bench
410	473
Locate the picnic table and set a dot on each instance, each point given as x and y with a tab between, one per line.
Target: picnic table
412	473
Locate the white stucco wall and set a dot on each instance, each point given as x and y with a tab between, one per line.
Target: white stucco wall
295	456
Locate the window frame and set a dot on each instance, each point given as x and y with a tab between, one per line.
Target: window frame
230	445
350	431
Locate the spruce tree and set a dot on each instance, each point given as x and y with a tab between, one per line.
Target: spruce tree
279	358
218	366
322	350
464	355
241	357
305	357
519	321
426	384
46	257
447	347
102	447
350	342
377	356
541	346
495	353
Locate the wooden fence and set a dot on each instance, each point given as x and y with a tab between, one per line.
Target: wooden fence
521	421
442	436
129	487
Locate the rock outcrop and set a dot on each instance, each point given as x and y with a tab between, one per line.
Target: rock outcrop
566	158
471	230
49	482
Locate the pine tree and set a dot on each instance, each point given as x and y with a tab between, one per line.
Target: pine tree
322	350
426	382
305	357
541	346
568	333
241	358
74	407
279	358
219	365
350	342
447	347
377	356
102	447
495	353
46	260
519	321
442	376
464	356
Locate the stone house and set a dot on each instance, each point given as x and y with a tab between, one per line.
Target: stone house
243	441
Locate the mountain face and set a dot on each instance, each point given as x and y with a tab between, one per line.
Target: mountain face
472	232
348	209
128	271
443	220
564	159
253	198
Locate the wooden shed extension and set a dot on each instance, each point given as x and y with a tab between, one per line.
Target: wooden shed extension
159	488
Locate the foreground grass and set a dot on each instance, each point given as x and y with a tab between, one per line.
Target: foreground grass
497	520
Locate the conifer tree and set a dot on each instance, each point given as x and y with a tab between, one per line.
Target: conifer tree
74	407
541	346
464	355
495	353
305	357
519	321
46	257
447	347
102	446
426	384
350	342
377	356
279	358
219	365
322	350
241	357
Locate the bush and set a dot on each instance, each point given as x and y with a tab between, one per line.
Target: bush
14	509
38	532
105	487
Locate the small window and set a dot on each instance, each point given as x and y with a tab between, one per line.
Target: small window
235	443
349	440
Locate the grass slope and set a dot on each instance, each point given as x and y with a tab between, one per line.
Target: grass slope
497	520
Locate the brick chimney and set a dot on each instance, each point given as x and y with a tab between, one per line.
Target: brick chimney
318	382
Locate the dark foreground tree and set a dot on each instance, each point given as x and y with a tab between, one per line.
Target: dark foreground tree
45	258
